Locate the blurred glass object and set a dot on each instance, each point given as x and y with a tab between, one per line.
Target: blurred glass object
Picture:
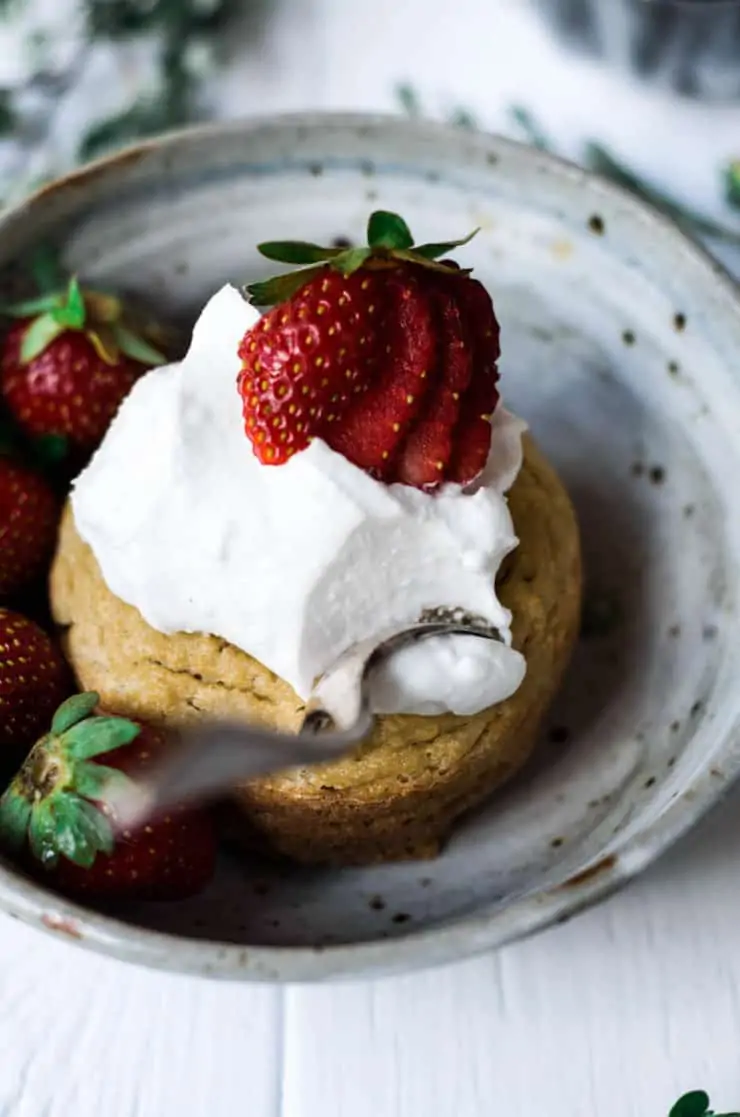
689	46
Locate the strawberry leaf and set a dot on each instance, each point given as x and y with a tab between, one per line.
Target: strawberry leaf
71	314
694	1104
29	308
349	261
74	834
135	347
75	709
104	343
15	814
432	251
413	258
388	230
103	307
39	336
98	735
98	825
280	287
296	252
42	834
732	183
95	781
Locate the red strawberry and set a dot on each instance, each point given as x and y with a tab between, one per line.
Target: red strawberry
387	355
68	363
473	435
372	427
34	679
28	525
56	804
428	448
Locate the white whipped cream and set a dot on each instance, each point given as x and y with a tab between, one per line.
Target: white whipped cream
294	563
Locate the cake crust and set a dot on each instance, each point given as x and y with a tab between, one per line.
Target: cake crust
399	794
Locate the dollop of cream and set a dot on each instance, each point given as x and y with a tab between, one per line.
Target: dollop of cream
294	563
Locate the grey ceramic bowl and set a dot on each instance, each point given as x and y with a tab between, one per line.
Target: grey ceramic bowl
621	342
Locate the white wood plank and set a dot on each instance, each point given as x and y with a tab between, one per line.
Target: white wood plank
621	1010
85	1035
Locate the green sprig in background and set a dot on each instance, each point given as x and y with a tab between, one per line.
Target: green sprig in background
596	157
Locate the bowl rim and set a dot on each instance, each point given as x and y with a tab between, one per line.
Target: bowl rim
471	934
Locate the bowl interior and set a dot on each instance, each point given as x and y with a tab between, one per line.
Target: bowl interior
619	358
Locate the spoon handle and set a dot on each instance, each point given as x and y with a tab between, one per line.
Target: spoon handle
216	755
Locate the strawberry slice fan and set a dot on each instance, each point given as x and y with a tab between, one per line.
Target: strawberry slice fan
386	352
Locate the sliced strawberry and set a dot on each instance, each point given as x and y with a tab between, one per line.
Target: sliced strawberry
418	343
373	427
426	453
302	362
472	436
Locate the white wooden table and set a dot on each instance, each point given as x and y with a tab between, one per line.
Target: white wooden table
611	1015
614	1014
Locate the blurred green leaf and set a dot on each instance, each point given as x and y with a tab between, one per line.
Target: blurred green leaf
530	128
732	183
463	118
408	99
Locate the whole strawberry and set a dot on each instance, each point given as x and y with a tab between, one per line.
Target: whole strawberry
29	513
34	679
68	362
56	809
385	353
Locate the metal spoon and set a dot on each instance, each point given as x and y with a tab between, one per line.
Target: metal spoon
215	756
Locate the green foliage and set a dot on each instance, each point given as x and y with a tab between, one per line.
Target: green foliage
119	19
388	230
696	1104
463	118
146	117
8	120
596	157
176	24
408	100
732	183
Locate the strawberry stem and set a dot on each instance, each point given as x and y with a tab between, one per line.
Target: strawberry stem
71	314
296	252
48	804
388	230
100	316
388	236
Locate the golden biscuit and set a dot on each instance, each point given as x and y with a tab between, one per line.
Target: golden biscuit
398	795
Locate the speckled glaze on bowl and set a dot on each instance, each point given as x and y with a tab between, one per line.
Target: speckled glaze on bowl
621	346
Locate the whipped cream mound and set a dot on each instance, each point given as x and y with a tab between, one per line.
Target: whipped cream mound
294	563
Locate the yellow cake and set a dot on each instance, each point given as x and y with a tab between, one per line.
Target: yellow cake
398	795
